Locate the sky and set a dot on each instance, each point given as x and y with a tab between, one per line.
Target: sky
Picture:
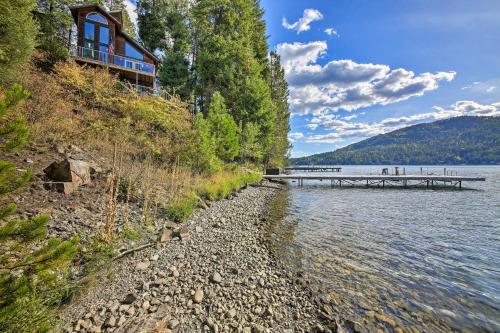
359	68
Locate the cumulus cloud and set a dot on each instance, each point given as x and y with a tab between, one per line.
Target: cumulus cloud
303	24
342	129
294	136
331	32
346	84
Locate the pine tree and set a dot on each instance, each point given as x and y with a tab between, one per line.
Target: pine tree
17	37
251	149
30	276
151	23
175	72
223	128
205	159
229	58
279	94
55	23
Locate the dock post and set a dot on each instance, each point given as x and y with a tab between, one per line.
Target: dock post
383	183
460	184
427	183
340	182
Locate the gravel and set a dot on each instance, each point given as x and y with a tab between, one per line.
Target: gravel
222	278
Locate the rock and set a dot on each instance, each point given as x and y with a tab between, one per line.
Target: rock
61	187
28	160
247	330
182	232
69	170
173	323
129	299
216	277
165	235
385	319
146	305
110	322
198	296
143	265
231	313
199	229
154	257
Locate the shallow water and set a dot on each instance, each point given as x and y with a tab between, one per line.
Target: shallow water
427	259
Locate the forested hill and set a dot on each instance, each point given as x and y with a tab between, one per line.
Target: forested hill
461	140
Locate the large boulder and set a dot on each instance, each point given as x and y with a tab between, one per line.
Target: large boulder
69	170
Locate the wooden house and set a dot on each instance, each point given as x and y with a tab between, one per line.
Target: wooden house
101	41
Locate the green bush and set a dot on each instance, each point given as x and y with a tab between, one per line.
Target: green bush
179	209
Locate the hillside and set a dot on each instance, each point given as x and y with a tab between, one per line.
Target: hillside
461	140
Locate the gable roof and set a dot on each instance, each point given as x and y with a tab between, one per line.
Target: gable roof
75	9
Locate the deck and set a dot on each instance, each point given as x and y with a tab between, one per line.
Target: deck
379	180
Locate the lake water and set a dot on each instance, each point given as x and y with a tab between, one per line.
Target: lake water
427	259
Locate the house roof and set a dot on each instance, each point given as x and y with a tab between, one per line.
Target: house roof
74	11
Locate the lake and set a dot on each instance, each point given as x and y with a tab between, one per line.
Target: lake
429	260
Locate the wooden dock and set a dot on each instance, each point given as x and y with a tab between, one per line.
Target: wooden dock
313	168
380	180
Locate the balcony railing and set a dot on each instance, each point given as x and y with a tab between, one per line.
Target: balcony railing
112	59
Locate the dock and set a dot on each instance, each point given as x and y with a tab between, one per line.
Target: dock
313	168
379	180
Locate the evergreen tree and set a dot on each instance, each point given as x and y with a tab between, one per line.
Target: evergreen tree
55	22
279	94
151	23
175	73
30	276
17	37
229	59
223	128
251	149
205	159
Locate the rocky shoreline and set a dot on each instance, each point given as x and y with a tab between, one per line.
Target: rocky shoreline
221	278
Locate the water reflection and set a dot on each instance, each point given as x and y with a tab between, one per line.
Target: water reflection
419	260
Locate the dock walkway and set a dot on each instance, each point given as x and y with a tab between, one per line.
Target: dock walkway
379	180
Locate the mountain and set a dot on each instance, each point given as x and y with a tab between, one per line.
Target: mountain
460	140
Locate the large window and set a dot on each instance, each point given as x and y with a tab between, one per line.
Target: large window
103	39
88	40
132	52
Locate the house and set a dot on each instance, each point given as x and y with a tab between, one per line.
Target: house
101	41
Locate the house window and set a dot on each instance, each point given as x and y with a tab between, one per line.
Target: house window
103	39
88	40
132	52
97	18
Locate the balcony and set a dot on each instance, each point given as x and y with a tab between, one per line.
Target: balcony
113	60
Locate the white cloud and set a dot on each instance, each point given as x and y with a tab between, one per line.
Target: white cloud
331	32
294	136
343	129
131	8
482	87
303	24
345	84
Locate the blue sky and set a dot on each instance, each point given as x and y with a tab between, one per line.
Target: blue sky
360	68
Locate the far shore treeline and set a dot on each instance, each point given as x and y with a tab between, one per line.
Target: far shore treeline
470	140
